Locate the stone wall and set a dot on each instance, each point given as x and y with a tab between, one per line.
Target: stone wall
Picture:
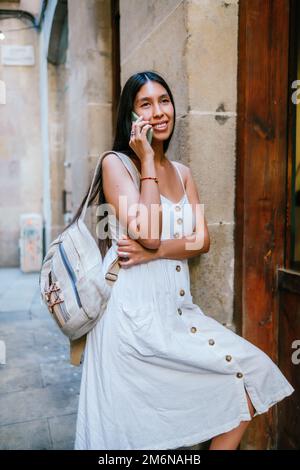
20	143
90	90
193	44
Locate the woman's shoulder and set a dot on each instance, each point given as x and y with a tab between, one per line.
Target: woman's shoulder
184	169
111	158
113	166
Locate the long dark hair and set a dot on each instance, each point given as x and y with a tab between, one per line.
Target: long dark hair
122	137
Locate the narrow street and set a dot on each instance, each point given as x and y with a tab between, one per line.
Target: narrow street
39	389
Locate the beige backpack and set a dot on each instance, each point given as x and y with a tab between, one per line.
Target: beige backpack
72	282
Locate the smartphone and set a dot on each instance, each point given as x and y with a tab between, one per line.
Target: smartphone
149	134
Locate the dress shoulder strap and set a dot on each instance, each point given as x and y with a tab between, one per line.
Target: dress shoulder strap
180	176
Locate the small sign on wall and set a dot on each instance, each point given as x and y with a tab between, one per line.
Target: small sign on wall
31	242
17	55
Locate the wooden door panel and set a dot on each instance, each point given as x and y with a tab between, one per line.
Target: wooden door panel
261	183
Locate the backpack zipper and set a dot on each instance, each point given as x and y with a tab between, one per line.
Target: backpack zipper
70	271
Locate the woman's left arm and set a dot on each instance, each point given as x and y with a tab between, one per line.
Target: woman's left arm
196	243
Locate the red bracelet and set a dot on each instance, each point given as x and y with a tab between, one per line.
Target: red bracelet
149	178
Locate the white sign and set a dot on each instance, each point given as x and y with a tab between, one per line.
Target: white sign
17	55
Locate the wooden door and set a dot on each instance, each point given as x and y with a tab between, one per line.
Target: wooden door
261	184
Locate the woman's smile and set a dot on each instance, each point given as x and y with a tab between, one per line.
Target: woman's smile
161	127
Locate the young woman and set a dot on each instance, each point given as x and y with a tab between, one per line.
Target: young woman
158	373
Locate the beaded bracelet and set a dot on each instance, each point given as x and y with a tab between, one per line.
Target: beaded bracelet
150	178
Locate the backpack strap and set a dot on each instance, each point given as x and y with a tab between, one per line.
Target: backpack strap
132	169
76	350
77	346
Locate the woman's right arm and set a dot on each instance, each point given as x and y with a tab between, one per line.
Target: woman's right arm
142	224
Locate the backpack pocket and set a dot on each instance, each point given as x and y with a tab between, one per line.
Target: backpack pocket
71	273
94	292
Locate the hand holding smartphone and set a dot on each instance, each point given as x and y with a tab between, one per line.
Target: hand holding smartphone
149	133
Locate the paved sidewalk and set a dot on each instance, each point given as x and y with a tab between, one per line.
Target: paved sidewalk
39	388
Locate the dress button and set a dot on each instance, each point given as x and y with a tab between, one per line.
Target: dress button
176	235
179	311
182	292
178	268
228	358
193	329
211	342
177	208
179	221
239	375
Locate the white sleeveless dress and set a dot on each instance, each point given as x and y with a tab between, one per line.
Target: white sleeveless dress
160	374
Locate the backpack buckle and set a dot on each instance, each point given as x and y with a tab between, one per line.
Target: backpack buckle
111	276
112	272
